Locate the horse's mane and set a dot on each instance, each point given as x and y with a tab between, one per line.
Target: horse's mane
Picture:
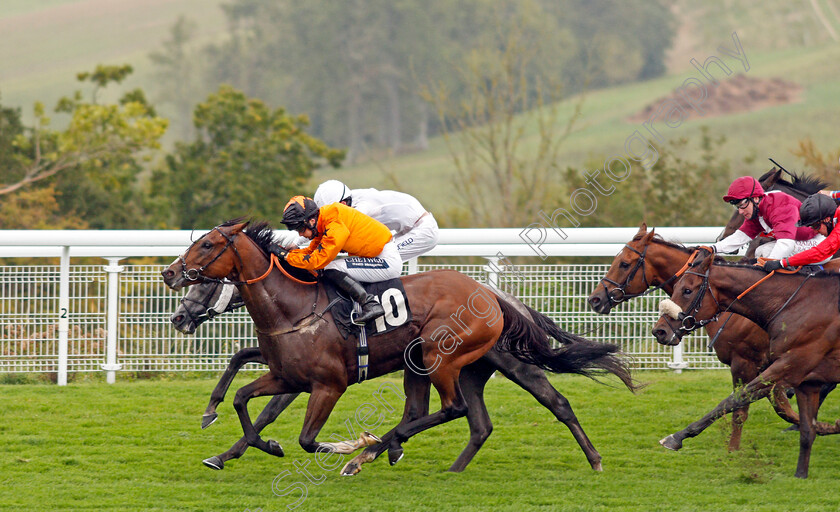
658	239
262	234
805	183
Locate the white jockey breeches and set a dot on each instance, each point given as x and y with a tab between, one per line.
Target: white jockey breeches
764	251
420	239
385	265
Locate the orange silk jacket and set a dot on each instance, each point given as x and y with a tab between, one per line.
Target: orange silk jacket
342	229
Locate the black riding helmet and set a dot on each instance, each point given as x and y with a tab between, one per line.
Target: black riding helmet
298	210
814	209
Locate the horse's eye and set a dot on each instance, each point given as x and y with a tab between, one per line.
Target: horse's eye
207	245
687	291
623	264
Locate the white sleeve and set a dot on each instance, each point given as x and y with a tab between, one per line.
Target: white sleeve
782	249
289	238
733	242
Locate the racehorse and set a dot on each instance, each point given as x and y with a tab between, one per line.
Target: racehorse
801	187
647	263
204	301
305	351
799	311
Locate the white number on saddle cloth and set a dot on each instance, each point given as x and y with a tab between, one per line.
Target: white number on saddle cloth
395	311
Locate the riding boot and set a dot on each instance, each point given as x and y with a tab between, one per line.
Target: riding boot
370	306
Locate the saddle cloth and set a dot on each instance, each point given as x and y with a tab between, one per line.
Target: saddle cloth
390	293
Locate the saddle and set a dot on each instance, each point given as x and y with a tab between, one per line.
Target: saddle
391	294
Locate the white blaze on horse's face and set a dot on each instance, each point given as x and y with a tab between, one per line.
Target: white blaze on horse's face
670	309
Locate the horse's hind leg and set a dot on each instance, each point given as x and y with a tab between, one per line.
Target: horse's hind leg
246	355
807	398
533	380
473	379
267	384
417	389
275	406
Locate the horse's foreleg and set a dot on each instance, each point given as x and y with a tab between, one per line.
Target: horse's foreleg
275	406
757	389
807	398
417	389
268	384
246	355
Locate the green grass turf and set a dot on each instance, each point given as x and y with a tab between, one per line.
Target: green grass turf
137	445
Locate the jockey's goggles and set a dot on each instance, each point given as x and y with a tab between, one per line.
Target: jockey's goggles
740	204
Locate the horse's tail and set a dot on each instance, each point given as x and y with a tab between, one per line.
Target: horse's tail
550	328
527	341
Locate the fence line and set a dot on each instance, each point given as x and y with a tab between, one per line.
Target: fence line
89	318
144	340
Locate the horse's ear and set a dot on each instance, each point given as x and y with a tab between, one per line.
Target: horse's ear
642	229
648	236
772	178
236	228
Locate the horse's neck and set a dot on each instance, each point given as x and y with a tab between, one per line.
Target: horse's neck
759	304
666	261
273	301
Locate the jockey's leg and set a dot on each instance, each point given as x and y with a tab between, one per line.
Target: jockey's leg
348	272
422	238
371	308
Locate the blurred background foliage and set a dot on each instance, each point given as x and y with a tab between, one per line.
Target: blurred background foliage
487	111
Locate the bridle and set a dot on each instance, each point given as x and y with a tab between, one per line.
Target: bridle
195	274
617	295
689	322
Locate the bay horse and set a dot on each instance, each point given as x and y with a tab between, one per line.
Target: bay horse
799	311
305	352
205	301
801	187
648	262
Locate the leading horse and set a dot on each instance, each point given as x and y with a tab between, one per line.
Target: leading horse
454	322
204	301
798	310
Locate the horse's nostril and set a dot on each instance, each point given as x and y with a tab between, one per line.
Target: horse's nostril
659	333
178	319
594	301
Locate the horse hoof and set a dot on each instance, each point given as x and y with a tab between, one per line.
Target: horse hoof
671	443
208	419
597	466
792	428
214	462
275	449
351	468
395	455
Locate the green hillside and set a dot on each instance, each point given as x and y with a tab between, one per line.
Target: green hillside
770	132
46	42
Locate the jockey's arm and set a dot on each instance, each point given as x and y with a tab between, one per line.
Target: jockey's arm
733	242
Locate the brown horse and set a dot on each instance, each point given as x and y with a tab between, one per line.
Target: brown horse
799	311
647	263
454	319
207	300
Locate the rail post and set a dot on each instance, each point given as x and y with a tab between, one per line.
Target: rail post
63	314
111	367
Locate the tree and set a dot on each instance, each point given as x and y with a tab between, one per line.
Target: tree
504	132
88	170
246	159
95	132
